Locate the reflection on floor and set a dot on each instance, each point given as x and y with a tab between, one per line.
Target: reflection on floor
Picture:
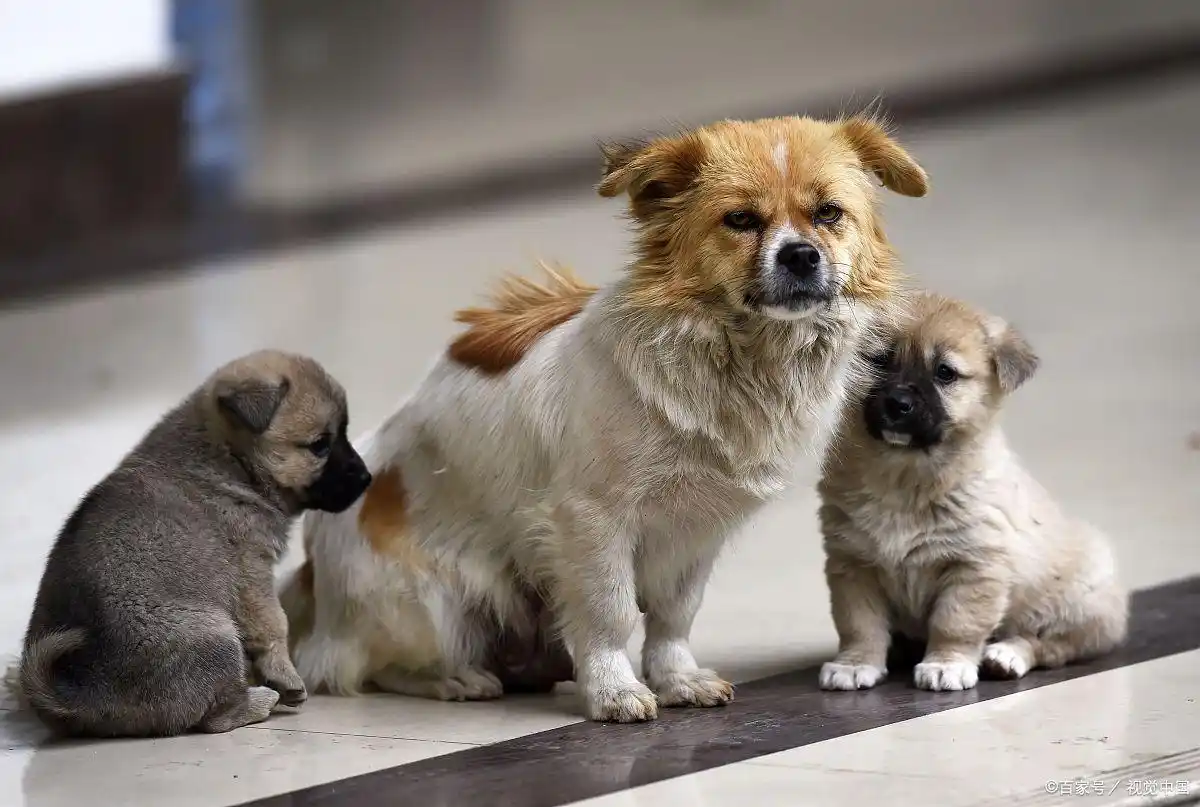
1079	224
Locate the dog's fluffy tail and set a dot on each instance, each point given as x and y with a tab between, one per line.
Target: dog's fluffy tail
31	680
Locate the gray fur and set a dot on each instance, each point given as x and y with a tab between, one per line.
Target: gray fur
160	584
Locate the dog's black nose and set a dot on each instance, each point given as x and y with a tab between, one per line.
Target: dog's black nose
898	403
799	258
364	477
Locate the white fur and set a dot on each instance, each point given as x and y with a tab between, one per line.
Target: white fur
780	155
607	468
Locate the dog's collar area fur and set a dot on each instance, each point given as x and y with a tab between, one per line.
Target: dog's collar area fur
747	385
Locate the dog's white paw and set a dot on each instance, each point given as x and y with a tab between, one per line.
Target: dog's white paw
850	676
694	688
1005	660
624	704
946	675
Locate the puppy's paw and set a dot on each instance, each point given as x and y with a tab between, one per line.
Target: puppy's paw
1005	660
940	676
261	700
694	688
634	703
835	675
282	677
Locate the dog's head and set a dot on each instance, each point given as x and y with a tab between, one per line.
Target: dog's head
285	419
775	218
946	373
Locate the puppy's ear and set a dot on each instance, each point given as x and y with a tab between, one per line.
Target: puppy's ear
1012	356
650	172
251	404
884	157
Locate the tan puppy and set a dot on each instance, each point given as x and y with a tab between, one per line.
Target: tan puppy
587	452
160	586
932	527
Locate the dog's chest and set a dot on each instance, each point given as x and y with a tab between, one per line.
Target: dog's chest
909	548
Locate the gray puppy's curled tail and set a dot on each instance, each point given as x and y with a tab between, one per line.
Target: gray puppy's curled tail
32	682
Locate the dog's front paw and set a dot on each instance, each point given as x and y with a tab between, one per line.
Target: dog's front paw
694	688
846	677
940	676
633	703
1005	660
281	676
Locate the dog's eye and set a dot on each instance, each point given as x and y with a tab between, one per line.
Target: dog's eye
880	360
320	446
742	220
828	213
945	374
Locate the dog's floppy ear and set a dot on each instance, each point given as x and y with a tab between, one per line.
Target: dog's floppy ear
650	172
1012	356
251	403
884	157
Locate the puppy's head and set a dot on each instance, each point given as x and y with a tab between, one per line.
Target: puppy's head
775	218
285	419
946	373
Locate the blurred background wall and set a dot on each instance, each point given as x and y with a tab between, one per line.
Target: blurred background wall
135	134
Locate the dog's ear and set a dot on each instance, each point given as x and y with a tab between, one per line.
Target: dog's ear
251	403
1013	358
650	172
884	157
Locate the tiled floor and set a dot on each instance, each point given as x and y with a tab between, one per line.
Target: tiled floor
1079	223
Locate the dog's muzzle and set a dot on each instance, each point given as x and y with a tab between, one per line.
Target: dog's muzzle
902	414
344	479
794	279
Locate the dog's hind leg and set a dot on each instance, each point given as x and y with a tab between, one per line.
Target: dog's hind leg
445	661
467	684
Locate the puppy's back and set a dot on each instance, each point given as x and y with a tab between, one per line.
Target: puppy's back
136	590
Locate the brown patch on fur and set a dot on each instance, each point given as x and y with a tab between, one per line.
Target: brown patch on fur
383	519
521	313
1194	441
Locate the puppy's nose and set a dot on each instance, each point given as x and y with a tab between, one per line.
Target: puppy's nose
799	258
364	477
898	403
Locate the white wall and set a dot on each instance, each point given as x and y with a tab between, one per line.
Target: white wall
45	44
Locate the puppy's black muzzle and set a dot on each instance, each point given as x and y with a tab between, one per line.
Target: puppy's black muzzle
906	409
344	479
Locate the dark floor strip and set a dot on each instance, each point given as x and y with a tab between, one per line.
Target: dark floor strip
773	714
218	228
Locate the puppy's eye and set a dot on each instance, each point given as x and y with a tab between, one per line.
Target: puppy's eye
880	361
320	447
828	213
945	374
742	220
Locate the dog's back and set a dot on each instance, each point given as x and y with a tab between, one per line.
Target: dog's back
134	607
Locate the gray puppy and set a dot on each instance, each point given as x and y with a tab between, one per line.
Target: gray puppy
160	587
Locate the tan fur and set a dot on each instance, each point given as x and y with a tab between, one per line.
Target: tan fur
521	312
687	260
956	543
383	519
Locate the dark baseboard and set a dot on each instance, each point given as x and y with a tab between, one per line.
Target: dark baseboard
146	232
82	162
